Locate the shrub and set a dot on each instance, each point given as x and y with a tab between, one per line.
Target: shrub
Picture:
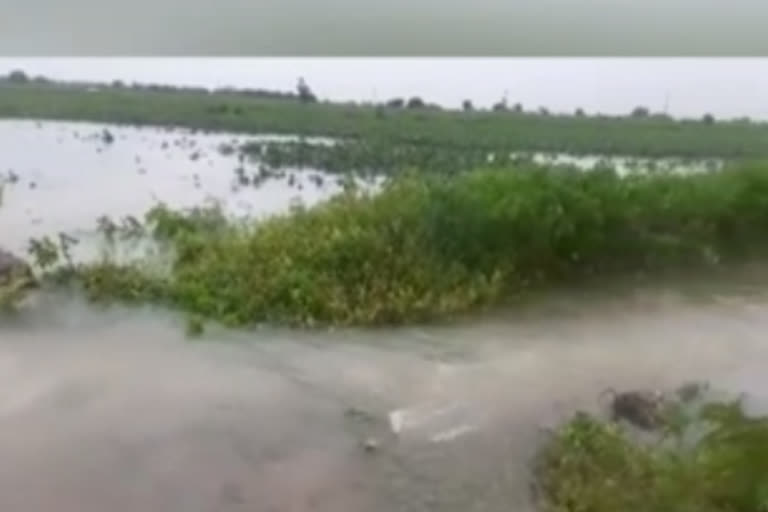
430	246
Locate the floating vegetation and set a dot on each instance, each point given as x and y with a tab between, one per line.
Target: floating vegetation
380	157
107	137
317	179
226	149
368	157
242	178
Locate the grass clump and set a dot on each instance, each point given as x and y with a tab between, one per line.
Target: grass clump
427	247
717	462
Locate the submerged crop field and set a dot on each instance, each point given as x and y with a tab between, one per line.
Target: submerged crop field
413	122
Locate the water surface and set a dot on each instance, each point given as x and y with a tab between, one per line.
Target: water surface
61	176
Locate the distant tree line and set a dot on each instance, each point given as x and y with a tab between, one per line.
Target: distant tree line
304	94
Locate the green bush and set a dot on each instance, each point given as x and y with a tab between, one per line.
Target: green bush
428	246
596	466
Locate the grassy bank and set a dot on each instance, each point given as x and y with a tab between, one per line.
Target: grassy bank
713	459
429	247
513	131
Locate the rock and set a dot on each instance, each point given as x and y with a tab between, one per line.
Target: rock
639	408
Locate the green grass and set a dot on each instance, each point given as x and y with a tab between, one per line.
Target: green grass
380	157
715	459
649	136
373	157
428	247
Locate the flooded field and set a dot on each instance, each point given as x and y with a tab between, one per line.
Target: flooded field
627	165
60	177
63	176
117	410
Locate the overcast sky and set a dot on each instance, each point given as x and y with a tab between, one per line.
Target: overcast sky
686	87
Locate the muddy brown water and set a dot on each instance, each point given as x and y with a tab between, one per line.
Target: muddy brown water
115	409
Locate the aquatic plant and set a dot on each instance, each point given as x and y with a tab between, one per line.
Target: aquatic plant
373	157
429	246
385	158
16	277
716	460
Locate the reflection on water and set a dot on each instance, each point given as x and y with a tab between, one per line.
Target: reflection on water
115	410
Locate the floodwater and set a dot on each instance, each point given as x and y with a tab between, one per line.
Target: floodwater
114	409
60	177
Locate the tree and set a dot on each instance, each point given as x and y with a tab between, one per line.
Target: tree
18	77
396	103
544	111
640	112
467	106
305	93
415	102
580	112
517	108
708	119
